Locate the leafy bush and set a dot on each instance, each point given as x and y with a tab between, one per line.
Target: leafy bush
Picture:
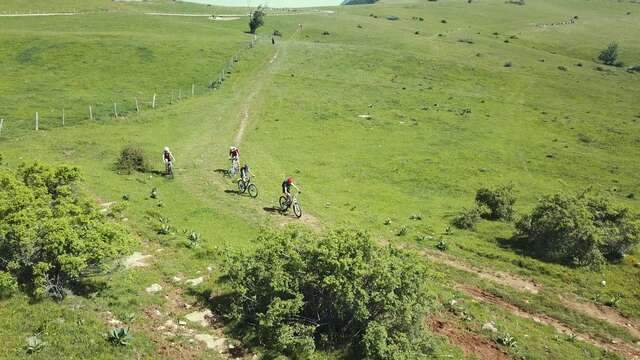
442	245
466	219
579	231
301	291
609	55
193	239
8	285
49	236
132	158
498	201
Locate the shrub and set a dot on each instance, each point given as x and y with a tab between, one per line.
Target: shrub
33	344
301	291
49	236
466	219
508	64
8	285
633	69
579	231
442	245
132	158
609	55
119	336
499	202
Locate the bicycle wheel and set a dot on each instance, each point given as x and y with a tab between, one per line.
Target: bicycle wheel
284	205
242	187
253	190
297	211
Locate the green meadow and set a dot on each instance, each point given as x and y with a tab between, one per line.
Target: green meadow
389	126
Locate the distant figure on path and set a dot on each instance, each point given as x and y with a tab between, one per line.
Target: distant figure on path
273	40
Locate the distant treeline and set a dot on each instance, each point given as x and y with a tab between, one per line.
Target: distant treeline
358	2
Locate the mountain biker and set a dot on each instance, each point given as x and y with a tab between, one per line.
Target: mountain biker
245	173
234	153
167	157
286	187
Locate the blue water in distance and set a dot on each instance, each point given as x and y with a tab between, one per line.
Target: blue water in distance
270	3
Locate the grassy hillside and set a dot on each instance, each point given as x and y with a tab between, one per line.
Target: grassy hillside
377	120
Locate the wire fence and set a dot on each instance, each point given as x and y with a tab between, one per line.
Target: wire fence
101	110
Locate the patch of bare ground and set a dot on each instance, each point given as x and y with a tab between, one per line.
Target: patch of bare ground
617	346
470	342
498	277
603	313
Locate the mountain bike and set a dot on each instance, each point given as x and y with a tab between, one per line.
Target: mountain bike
169	169
245	185
290	202
235	168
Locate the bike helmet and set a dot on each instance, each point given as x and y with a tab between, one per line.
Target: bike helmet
166	149
289	180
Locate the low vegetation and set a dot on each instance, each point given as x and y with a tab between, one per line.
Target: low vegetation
578	230
132	158
497	203
50	237
300	292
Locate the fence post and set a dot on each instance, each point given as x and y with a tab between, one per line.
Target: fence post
137	106
62	117
90	113
193	89
1	125
153	105
179	94
37	121
115	110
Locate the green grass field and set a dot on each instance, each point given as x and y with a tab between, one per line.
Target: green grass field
377	120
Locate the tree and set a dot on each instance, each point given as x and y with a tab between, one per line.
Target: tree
499	202
256	20
609	55
301	291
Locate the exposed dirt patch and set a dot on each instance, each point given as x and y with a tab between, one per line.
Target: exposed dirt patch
471	343
603	313
614	345
498	277
136	260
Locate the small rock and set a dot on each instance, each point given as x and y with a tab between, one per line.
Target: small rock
176	279
211	342
153	288
209	269
182	323
135	260
170	324
489	326
603	283
200	317
194	282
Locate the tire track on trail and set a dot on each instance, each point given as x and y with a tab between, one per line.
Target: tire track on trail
469	342
617	346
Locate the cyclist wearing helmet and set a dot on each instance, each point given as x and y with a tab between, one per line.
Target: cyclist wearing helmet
167	157
234	153
245	173
286	187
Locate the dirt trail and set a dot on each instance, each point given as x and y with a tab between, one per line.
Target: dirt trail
244	119
599	312
615	345
39	14
471	343
603	313
498	277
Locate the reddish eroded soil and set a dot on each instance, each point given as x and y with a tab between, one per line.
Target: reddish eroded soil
628	351
471	343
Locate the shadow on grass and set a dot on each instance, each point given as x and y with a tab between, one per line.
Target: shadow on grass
517	244
272	210
236	192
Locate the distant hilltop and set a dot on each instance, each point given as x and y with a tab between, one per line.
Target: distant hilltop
358	2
